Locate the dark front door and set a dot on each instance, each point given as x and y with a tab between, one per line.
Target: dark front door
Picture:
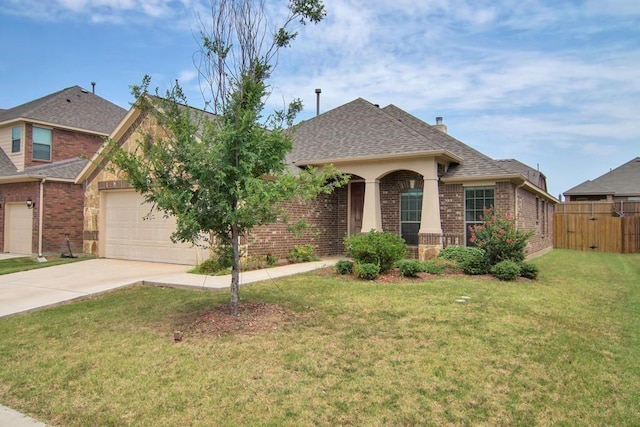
356	207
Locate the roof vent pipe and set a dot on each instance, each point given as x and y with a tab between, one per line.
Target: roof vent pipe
439	125
318	92
93	87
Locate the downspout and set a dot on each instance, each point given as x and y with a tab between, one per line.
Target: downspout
41	258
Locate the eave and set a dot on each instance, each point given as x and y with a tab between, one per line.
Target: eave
443	155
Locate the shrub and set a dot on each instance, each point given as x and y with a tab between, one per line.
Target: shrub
528	270
271	259
499	237
223	253
344	266
435	266
302	253
252	263
409	267
366	270
506	270
475	263
382	249
459	254
211	267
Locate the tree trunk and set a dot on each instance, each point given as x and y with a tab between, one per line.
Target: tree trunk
235	271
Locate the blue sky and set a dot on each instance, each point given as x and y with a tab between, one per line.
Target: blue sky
551	83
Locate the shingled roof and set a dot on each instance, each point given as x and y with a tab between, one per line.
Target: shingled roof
64	169
73	107
621	181
362	129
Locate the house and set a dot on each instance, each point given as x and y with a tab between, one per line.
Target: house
43	147
621	184
407	177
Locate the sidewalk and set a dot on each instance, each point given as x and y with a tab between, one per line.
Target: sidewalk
73	290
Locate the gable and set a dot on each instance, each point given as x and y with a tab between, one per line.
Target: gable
621	181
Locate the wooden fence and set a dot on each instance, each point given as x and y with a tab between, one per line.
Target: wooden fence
597	226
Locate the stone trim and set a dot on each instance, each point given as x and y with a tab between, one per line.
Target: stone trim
89	235
114	185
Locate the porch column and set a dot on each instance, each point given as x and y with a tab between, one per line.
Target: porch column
430	234
371	213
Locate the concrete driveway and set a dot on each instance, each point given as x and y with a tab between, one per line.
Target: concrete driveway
42	287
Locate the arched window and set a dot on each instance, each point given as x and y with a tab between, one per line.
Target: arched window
410	215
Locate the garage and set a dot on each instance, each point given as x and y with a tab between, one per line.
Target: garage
131	233
18	226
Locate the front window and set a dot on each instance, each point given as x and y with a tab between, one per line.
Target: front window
476	200
16	139
410	215
41	143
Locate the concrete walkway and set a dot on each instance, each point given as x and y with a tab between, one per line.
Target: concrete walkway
36	289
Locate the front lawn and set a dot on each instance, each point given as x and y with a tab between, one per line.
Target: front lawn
560	350
14	265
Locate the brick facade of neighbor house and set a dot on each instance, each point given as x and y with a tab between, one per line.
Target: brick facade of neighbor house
65	144
62	213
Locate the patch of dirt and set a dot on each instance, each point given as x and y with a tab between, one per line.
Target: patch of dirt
253	318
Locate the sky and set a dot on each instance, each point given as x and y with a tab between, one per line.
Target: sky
552	83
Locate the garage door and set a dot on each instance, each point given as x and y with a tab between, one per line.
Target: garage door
18	226
130	233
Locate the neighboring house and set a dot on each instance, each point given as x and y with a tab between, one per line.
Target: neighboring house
407	177
43	147
621	184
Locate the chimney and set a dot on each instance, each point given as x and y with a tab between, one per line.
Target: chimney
318	92
93	87
440	126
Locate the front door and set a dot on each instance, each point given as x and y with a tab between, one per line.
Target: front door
356	206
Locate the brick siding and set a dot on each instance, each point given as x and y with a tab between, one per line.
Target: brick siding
65	144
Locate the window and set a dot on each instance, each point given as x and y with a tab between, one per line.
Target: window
476	200
410	215
16	139
41	143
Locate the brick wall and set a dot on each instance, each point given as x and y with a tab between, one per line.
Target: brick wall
452	213
62	215
327	217
535	214
65	145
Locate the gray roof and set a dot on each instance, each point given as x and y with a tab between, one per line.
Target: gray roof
6	165
621	181
533	175
73	107
64	169
361	129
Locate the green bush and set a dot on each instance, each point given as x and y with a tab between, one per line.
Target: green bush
381	249
211	267
344	266
475	263
302	253
459	254
223	253
506	270
435	266
410	267
528	270
271	259
499	237
366	270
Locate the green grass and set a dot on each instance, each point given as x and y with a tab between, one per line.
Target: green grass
562	350
14	265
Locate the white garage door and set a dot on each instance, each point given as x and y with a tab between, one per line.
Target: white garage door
18	226
131	234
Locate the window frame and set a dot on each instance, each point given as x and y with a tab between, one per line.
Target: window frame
412	210
34	143
475	211
17	128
